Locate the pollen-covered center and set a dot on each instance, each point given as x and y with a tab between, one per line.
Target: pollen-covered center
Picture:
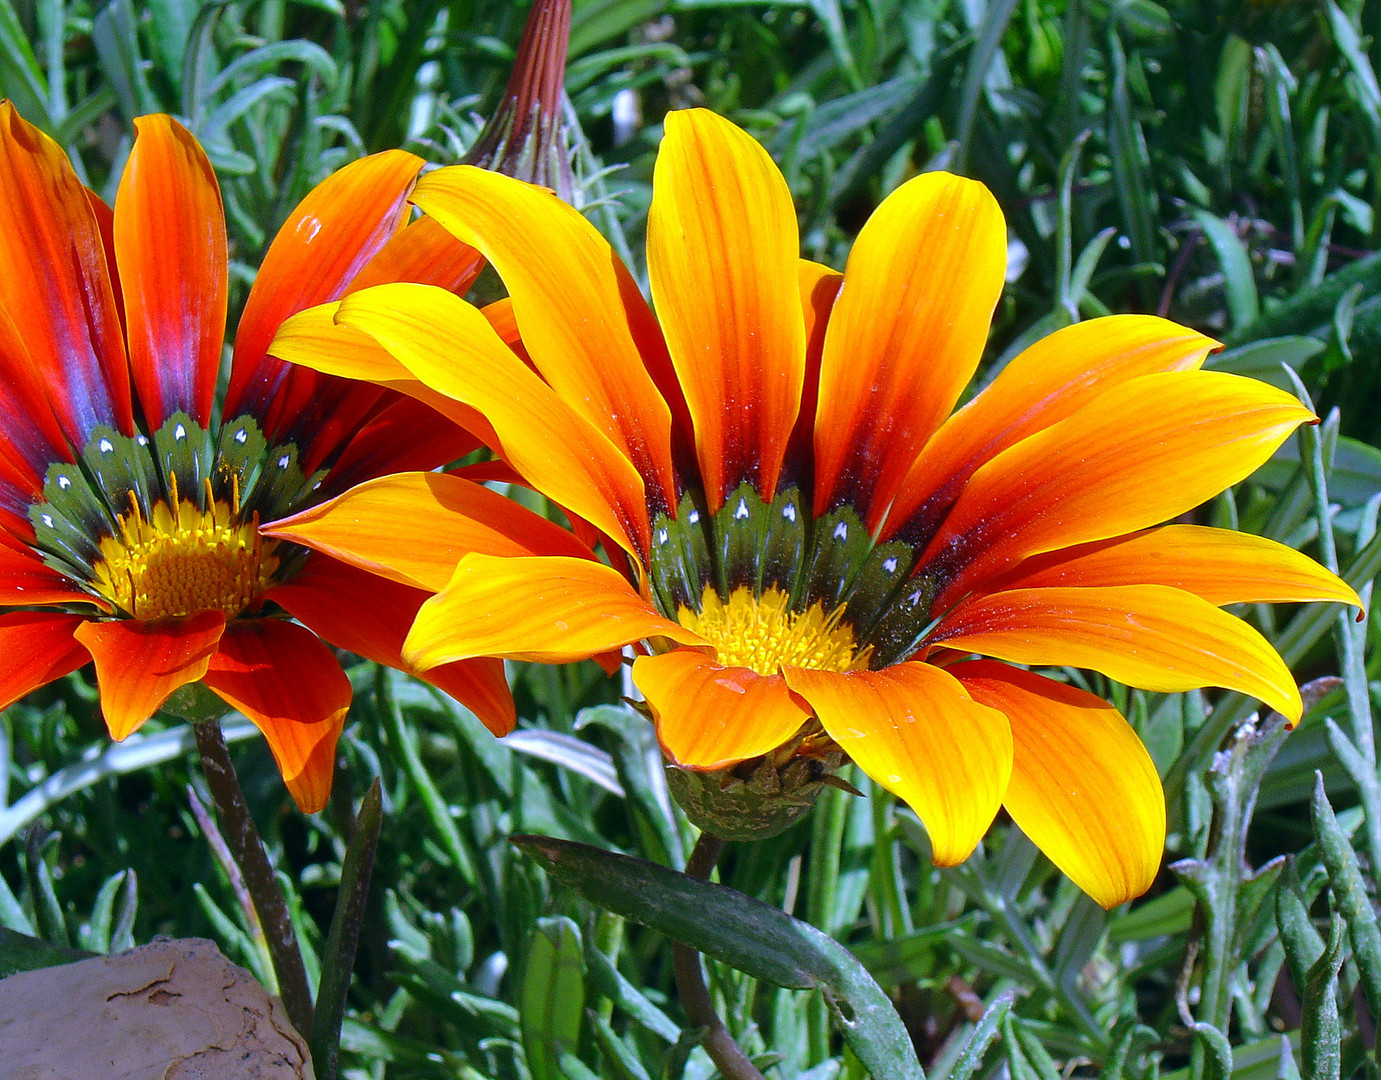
181	560
762	632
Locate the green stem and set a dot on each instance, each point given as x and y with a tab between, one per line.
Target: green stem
248	849
732	1062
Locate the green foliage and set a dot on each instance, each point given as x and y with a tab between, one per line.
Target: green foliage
1211	160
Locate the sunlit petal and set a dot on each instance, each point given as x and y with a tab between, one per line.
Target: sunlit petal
722	253
710	716
37	647
1083	787
548	609
1150	636
914	729
905	335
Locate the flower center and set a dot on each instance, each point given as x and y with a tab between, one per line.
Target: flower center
166	525
762	632
181	560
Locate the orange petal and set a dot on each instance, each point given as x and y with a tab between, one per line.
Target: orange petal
283	678
1150	636
31	438
314	339
450	346
57	281
1219	565
26	581
548	609
37	647
905	335
1148	449
722	255
328	238
1083	787
363	614
424	252
710	716
582	319
819	286
138	664
170	247
413	528
914	729
1044	384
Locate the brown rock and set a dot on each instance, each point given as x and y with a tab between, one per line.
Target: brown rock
172	1010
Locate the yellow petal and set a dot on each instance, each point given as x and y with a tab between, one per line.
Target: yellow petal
710	716
905	335
1083	787
451	346
548	609
582	319
1219	565
1148	449
914	729
1042	385
722	254
1150	636
413	528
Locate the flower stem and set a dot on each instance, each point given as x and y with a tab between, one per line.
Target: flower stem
732	1062
253	860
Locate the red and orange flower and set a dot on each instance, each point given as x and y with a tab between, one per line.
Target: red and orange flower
809	552
130	500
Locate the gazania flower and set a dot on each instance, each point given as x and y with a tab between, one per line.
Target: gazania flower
130	501
812	556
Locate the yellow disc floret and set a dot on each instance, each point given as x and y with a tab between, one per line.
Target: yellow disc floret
182	559
761	633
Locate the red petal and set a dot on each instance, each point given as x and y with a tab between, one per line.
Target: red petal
57	281
138	664
371	616
170	247
285	680
37	647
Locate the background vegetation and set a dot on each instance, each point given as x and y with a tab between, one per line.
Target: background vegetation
1210	160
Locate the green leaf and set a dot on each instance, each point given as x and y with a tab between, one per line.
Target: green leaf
1239	283
1349	896
757	939
19	952
552	1000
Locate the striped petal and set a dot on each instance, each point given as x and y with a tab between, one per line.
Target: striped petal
1150	636
722	254
170	247
403	434
315	339
1083	787
31	438
36	647
413	528
138	664
449	345
905	335
916	731
328	238
290	685
57	281
1042	385
582	319
710	716
548	609
356	611
425	252
1219	565
1148	449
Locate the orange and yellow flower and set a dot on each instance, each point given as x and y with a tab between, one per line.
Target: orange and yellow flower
130	500
807	546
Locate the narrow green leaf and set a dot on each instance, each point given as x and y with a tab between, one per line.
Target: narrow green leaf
984	1035
1349	895
19	952
338	957
1239	283
1320	1031
552	1001
746	934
